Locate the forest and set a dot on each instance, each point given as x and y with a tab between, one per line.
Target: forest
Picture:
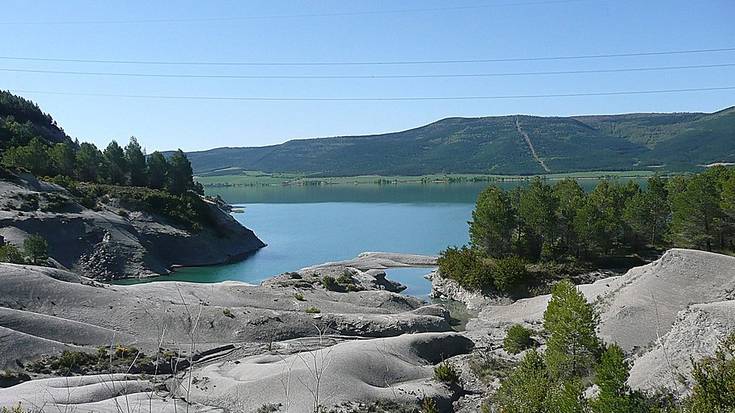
561	224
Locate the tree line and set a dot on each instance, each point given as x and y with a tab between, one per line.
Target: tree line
543	223
115	165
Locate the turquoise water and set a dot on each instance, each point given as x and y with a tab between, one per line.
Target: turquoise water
305	226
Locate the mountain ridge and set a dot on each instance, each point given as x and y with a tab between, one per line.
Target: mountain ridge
493	145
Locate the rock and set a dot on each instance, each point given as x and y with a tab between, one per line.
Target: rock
114	242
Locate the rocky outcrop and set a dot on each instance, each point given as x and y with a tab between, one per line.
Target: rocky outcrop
113	241
445	288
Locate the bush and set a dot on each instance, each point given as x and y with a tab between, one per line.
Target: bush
299	297
510	273
446	373
36	248
465	266
330	284
714	380
313	310
228	313
10	253
517	339
428	405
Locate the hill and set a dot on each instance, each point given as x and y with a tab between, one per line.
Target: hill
500	145
21	120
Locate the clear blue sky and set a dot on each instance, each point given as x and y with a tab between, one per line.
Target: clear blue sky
495	29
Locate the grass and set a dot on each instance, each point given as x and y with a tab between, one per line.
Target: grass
255	178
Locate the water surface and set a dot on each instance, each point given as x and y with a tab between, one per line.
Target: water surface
309	225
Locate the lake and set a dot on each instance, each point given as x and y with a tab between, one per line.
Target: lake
308	225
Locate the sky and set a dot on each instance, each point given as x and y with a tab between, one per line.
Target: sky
98	108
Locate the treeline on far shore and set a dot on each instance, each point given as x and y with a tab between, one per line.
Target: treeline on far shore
519	235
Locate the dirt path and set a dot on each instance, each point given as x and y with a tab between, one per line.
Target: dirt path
530	146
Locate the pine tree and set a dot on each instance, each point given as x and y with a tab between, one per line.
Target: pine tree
135	158
179	179
157	170
537	213
571	323
117	166
492	223
63	158
88	162
695	212
611	377
526	389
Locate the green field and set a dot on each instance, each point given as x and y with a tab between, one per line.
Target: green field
255	178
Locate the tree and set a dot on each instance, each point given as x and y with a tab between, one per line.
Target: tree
180	175
537	213
117	165
569	199
526	389
571	323
33	157
88	162
157	170
492	223
696	213
647	212
63	158
611	377
135	158
36	248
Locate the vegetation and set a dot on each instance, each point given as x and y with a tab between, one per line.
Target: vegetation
114	166
574	359
572	346
118	359
36	248
493	145
35	251
344	283
312	310
714	377
548	225
445	372
517	339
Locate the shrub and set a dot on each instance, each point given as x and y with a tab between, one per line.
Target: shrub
228	313
714	380
517	339
15	409
299	297
10	253
446	373
428	405
36	248
330	284
313	310
510	273
465	266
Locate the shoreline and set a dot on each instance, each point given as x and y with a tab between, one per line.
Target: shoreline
260	179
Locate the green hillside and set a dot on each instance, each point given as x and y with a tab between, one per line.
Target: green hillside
497	145
22	120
